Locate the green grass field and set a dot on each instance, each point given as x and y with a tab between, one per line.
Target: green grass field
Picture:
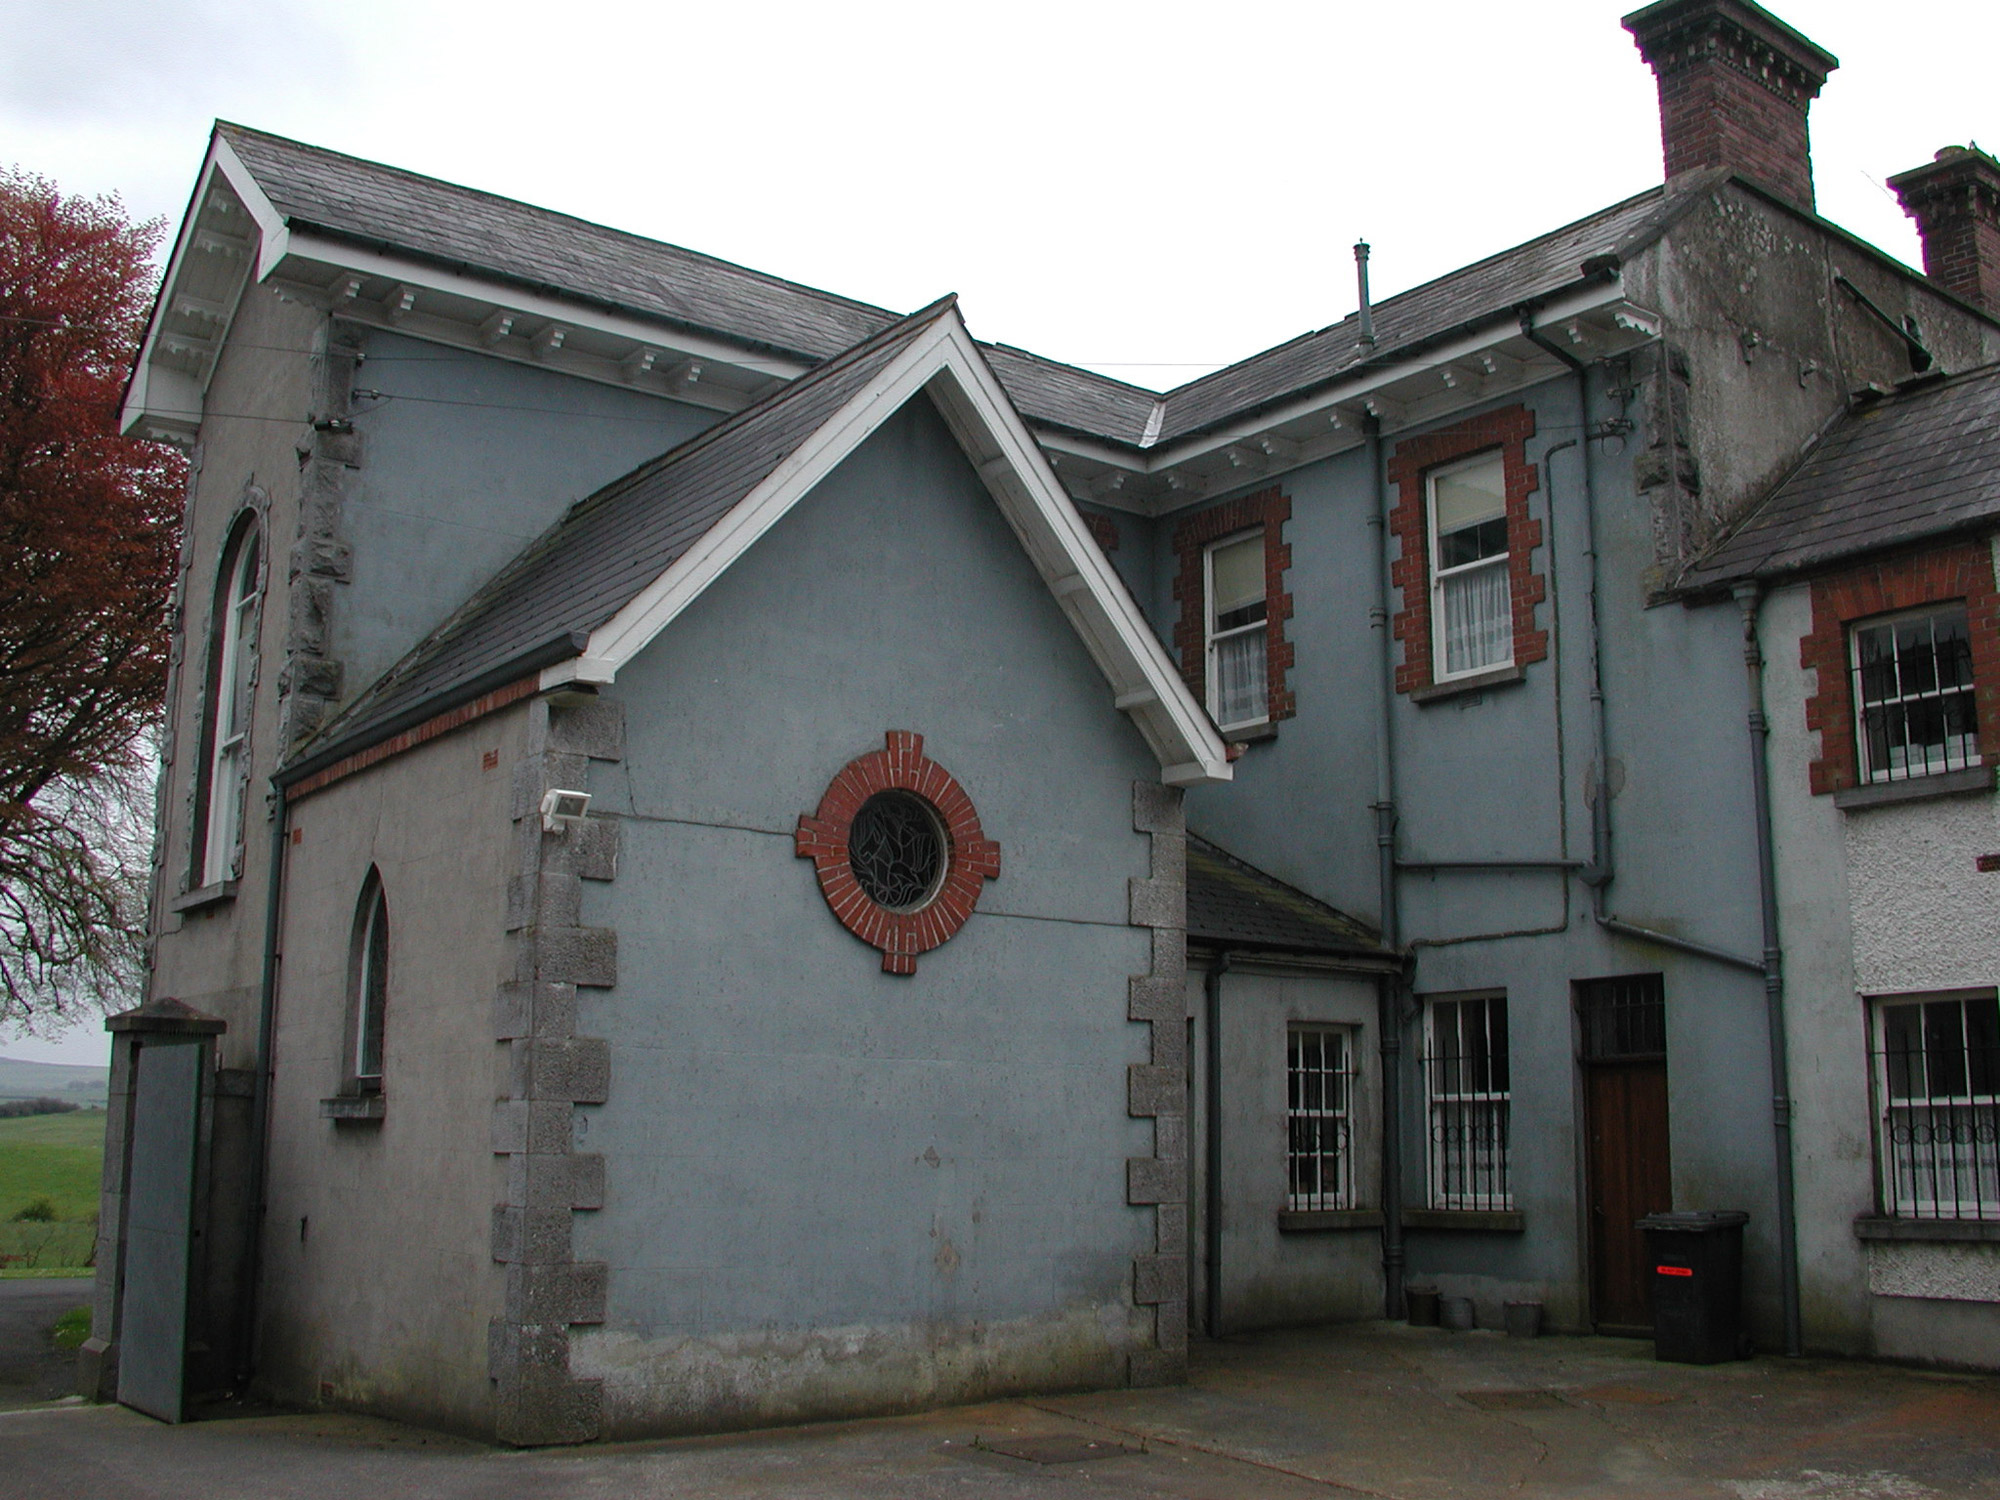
60	1158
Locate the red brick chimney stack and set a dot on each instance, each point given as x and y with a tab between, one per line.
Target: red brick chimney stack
1956	203
1735	85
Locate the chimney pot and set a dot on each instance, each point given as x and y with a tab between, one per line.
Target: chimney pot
1735	85
1955	199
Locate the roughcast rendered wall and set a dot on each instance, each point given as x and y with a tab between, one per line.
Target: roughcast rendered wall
831	1190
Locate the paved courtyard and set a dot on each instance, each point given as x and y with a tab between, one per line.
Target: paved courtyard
1377	1410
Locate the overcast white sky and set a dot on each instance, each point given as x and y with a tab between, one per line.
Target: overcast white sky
1147	189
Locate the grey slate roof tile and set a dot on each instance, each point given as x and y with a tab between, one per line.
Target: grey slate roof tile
1231	903
1894	471
369	203
365	201
611	545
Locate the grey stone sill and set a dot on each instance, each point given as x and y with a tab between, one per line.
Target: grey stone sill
1478	682
1312	1220
1486	1220
208	895
1916	789
1986	1231
355	1107
1250	734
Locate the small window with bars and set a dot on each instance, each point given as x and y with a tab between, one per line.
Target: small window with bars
1915	713
1239	676
1470	1100
1623	1019
1319	1104
1937	1081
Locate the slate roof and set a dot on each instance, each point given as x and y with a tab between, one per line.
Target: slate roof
1895	470
1231	903
367	203
606	549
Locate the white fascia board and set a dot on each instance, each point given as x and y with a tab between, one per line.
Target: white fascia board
1042	515
170	399
361	260
1596	297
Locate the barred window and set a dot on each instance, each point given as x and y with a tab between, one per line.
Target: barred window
1319	1083
1470	1099
1472	602
1238	633
1937	1078
1914	708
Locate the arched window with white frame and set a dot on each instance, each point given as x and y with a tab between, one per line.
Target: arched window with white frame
232	661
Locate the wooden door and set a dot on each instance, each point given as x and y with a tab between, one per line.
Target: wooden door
1625	1107
1628	1171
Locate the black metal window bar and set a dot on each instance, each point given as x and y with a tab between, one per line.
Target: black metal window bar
1937	1075
1470	1100
1319	1095
1624	1019
1915	712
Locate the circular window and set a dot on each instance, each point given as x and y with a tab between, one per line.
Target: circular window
899	851
896	848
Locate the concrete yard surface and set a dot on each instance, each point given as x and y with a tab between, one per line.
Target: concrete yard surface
1375	1409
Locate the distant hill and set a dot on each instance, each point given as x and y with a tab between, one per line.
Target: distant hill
35	1080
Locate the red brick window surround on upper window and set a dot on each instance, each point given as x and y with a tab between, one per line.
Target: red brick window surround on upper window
1508	431
1956	572
1267	510
899	852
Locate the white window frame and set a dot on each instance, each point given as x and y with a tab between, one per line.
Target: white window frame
1968	753
371	987
232	636
1309	1124
1440	575
1922	1177
1211	636
1450	1111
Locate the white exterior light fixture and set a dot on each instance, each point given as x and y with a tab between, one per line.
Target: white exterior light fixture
560	809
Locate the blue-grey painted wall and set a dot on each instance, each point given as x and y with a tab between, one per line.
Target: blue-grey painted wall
466	458
830	1189
1503	775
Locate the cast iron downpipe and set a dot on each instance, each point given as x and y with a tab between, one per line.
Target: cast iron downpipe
1388	987
1211	1226
1748	598
260	1088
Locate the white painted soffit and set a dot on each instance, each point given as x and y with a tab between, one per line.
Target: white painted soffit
167	395
944	363
1596	320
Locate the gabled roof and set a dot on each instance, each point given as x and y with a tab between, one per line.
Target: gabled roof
1896	470
372	204
1233	904
622	564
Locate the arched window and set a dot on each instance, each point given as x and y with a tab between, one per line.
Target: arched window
232	657
371	985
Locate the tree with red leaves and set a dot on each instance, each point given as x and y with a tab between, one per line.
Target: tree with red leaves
89	532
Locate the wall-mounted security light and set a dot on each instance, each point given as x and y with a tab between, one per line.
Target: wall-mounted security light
560	809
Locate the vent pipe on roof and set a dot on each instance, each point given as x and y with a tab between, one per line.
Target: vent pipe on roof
1361	278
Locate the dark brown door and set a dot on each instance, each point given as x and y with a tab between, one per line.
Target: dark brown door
1628	1170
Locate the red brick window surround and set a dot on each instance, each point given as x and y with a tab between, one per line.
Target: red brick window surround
1267	510
899	771
1508	431
1960	571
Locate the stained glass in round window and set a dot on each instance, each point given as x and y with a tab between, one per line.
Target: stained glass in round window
896	848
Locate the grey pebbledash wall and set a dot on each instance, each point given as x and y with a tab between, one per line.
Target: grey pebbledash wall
829	1190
